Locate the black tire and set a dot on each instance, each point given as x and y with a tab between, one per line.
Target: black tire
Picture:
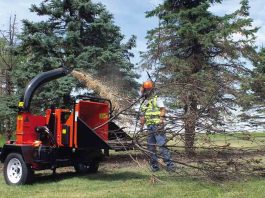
16	171
83	168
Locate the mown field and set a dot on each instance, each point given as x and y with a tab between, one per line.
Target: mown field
120	177
130	182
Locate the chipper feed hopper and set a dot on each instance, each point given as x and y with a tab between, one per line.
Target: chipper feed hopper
76	137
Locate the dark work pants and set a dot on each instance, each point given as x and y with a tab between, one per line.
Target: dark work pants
155	139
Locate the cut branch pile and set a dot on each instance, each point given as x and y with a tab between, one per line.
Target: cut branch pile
218	155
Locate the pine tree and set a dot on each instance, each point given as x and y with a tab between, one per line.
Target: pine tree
78	34
200	58
257	83
9	60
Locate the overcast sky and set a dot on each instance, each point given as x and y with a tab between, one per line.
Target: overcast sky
130	15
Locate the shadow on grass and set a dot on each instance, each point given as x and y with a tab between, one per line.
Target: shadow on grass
110	176
101	176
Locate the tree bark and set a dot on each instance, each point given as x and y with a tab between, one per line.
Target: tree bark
8	132
190	121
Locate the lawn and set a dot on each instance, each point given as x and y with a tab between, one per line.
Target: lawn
122	178
130	182
235	140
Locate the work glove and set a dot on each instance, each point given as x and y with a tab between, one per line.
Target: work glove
161	127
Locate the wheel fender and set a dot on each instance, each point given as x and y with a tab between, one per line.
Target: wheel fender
25	150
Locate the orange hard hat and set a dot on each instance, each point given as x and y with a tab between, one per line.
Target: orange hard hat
148	84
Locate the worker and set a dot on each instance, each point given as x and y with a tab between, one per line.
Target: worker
153	114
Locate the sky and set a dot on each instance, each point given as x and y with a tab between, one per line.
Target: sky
130	16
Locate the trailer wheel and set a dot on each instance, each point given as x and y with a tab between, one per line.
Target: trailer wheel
16	171
85	168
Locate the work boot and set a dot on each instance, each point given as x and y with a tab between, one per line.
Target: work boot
171	167
154	167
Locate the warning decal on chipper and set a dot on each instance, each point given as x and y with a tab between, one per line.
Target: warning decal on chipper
103	115
64	131
20	104
19	117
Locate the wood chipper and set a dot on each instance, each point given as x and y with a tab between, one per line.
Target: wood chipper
78	137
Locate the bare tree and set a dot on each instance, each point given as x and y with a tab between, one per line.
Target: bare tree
7	54
8	61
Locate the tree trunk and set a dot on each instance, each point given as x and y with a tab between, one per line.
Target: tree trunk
190	125
8	129
9	83
67	100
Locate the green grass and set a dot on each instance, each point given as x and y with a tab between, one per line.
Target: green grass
235	140
2	140
131	182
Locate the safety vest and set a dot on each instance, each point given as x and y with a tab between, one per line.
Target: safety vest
151	112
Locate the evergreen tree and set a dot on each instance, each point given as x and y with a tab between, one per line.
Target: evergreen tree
79	34
258	81
8	62
199	58
253	87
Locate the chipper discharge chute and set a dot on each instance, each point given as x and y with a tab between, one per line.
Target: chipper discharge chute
62	137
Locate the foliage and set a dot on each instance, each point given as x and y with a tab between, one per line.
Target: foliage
8	62
77	34
8	115
253	87
258	81
200	58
